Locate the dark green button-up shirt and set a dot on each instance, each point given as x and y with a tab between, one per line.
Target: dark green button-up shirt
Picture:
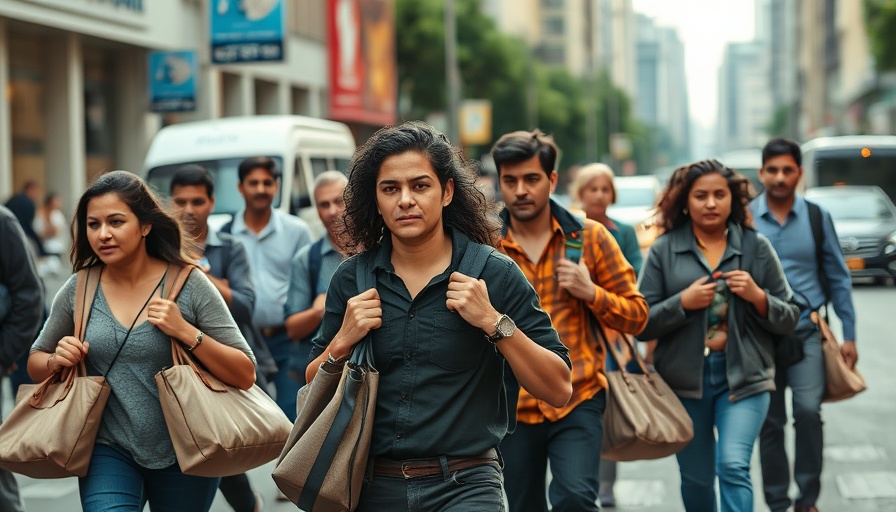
441	389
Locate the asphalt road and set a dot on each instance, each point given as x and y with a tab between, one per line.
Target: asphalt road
859	476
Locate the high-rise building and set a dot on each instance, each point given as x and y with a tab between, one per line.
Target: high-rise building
662	99
745	103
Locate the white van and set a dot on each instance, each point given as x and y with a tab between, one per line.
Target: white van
303	147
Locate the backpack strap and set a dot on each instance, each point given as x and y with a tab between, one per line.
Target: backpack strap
474	259
816	221
315	255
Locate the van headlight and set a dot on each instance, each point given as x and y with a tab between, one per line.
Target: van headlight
890	246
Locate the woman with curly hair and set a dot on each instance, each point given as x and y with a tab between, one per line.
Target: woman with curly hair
440	338
715	320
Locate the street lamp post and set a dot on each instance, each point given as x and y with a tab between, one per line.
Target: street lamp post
451	74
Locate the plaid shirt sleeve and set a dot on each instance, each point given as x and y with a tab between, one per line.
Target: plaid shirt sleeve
617	303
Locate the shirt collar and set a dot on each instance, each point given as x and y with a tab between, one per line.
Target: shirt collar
798	209
562	219
682	239
212	239
239	223
382	256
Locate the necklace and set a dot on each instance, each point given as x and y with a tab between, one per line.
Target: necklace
705	247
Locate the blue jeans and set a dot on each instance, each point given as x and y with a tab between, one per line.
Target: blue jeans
572	444
477	488
287	387
114	482
806	381
704	458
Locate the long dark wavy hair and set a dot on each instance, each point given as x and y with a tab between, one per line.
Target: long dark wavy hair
674	198
165	240
467	212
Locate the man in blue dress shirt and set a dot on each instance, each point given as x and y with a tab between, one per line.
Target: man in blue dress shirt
782	216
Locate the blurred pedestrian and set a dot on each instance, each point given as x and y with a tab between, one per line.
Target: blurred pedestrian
22	205
121	227
440	339
715	323
784	217
593	191
52	228
312	269
224	261
272	238
23	302
581	277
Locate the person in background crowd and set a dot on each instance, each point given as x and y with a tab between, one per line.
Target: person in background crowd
22	301
121	227
715	324
224	261
593	192
440	339
272	238
783	216
52	228
312	269
596	284
23	207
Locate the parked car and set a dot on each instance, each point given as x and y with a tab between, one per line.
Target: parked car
636	205
865	220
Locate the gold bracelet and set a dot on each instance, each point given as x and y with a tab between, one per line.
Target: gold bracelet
198	341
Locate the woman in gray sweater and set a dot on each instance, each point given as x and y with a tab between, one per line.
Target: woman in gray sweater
121	228
718	298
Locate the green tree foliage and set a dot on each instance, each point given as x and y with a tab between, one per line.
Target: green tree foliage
500	68
880	16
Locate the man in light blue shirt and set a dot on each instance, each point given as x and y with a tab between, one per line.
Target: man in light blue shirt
271	238
312	269
783	217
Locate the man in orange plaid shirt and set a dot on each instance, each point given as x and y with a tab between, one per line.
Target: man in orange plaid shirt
580	275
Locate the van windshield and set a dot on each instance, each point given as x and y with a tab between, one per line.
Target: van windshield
849	167
224	172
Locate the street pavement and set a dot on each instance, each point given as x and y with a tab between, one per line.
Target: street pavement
860	440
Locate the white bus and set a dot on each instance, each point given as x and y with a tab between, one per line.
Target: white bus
851	160
303	147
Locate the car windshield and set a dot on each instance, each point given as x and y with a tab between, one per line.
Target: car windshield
224	173
853	205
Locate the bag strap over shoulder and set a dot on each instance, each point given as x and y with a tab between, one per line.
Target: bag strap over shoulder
474	260
86	283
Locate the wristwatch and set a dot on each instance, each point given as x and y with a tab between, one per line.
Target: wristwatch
504	328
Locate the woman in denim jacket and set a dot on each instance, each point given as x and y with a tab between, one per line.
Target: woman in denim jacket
715	322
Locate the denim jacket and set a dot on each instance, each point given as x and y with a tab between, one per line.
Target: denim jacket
673	263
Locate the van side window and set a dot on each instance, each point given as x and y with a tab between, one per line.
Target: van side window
341	164
299	196
318	166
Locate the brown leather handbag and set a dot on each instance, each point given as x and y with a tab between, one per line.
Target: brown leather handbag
644	419
216	429
52	429
840	381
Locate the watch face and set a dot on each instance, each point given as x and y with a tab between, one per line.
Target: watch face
506	326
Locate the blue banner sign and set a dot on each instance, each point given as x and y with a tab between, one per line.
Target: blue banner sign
172	81
246	30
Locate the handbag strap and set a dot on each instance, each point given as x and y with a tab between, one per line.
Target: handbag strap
362	355
179	356
131	328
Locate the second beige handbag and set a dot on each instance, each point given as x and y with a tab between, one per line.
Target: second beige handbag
644	419
840	381
216	429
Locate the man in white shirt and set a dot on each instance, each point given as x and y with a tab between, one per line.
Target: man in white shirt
272	238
